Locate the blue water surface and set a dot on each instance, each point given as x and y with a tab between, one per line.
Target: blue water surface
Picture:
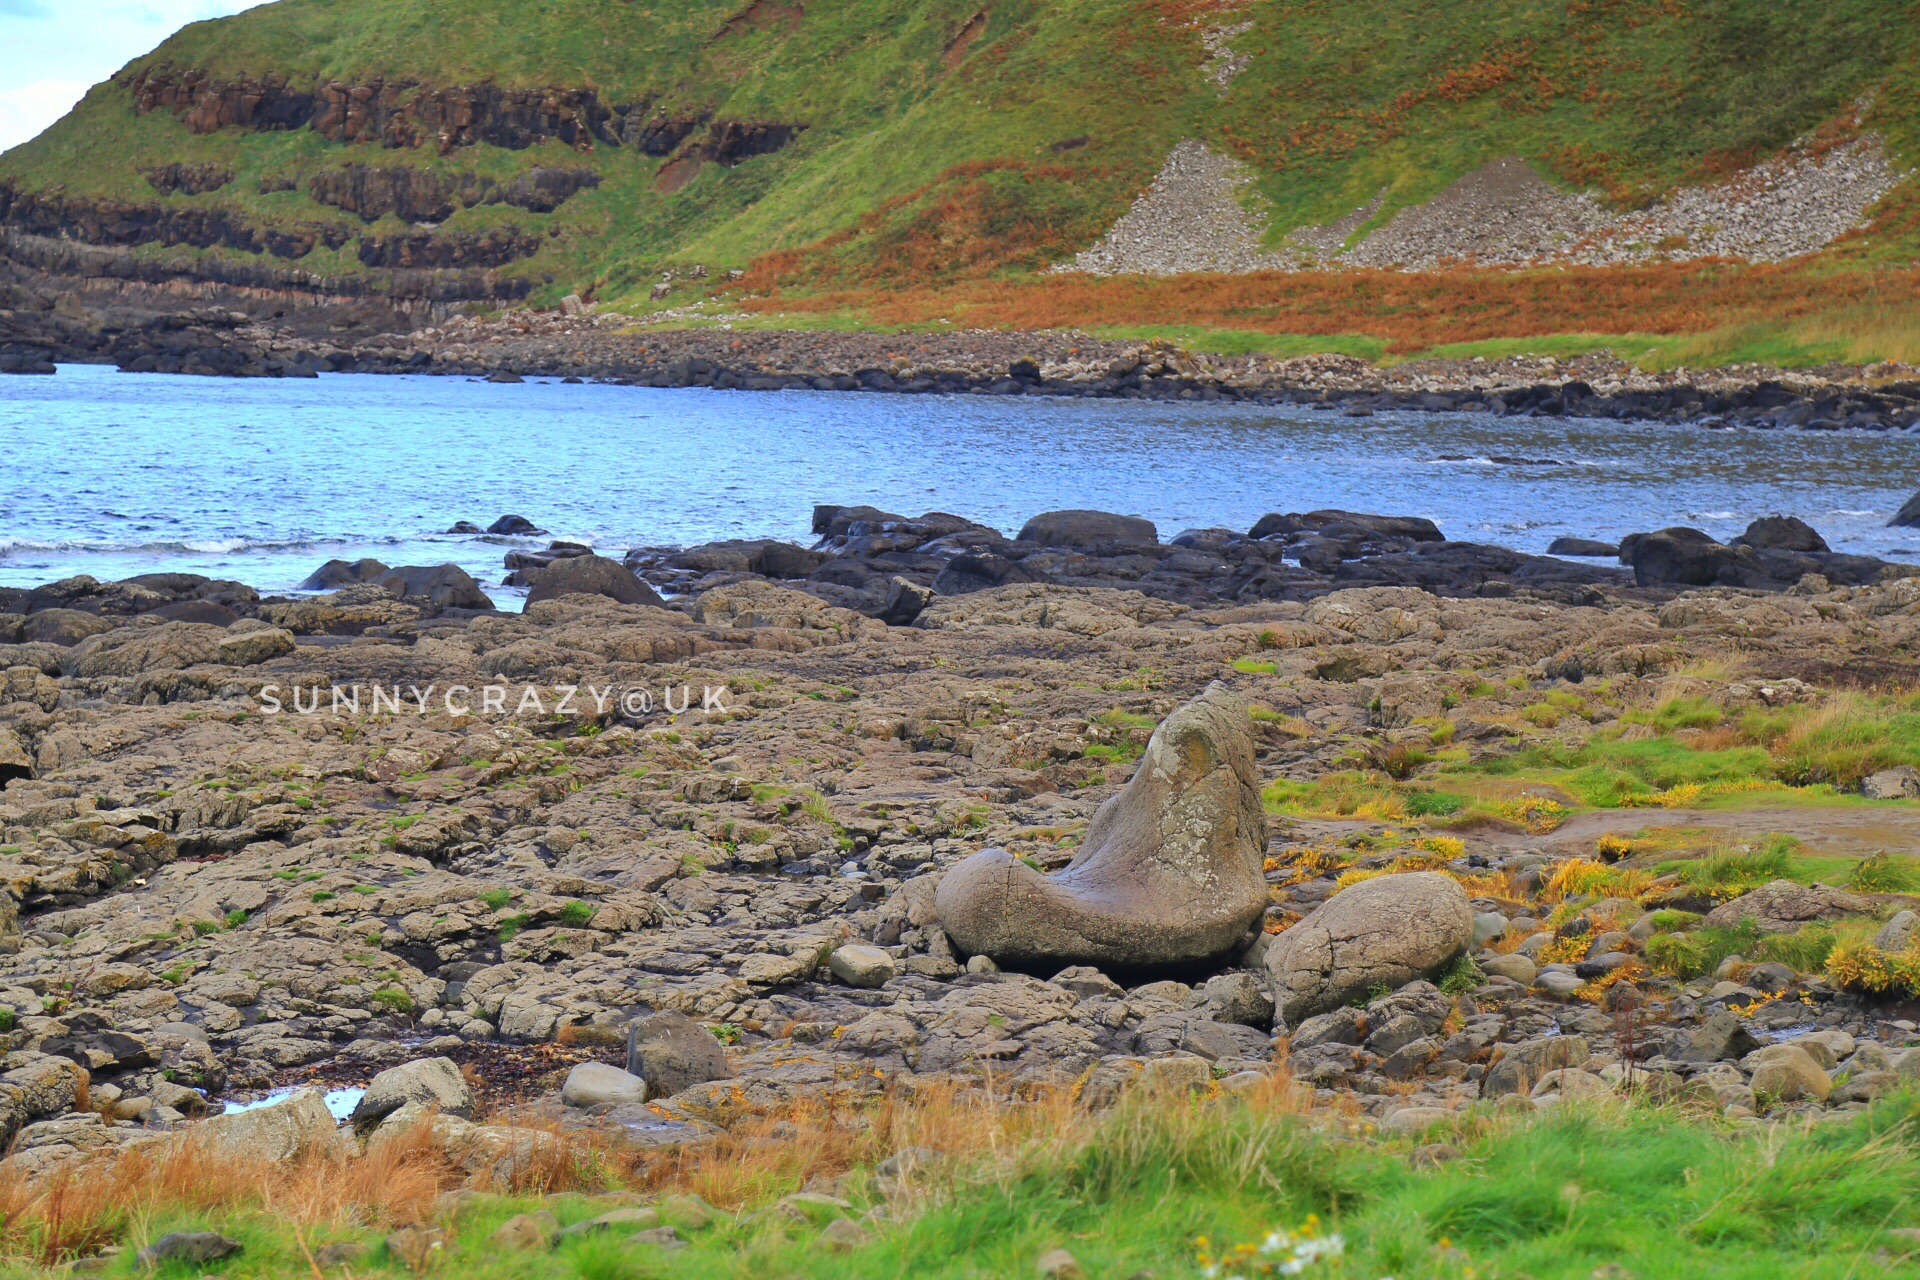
115	474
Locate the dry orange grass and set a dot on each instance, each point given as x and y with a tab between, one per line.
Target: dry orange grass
983	1131
1409	312
79	1207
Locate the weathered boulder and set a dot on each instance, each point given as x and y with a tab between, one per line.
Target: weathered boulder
1897	933
207	611
1088	530
1586	548
427	1082
130	651
1788	1073
1781	906
1519	1067
861	966
15	762
591	575
1169	870
252	647
187	1247
1411	528
1782	533
1389	930
339	573
65	627
671	1052
1513	966
446	585
591	1084
1682	556
1721	1038
1902	782
276	1133
514	525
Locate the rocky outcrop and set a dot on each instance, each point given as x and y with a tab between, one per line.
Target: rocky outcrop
188	179
1772	556
427	195
1781	906
407	113
443	250
1387	931
1169	872
125	224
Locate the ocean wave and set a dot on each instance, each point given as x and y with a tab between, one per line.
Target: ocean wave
181	546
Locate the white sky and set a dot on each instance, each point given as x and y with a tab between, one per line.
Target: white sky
53	51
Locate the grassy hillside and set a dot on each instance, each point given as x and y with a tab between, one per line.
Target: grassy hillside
947	142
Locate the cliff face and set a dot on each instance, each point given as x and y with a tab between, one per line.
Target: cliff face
588	146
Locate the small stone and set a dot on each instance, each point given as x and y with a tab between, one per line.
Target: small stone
1514	966
688	1212
1058	1264
861	966
340	1253
1559	984
633	1217
418	1248
842	1235
1413	1120
187	1246
907	1162
525	1231
1182	1073
664	1237
812	1206
1487	926
982	965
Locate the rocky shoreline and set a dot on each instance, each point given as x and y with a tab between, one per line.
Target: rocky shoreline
231	866
145	329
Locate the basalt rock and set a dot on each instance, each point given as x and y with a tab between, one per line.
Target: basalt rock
1412	528
340	573
187	179
591	575
1087	530
446	585
1169	871
1782	533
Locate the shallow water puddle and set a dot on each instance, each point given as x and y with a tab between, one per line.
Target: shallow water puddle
340	1102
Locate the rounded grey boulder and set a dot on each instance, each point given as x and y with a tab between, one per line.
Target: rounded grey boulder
1169	871
591	575
1387	931
1087	530
590	1084
426	1082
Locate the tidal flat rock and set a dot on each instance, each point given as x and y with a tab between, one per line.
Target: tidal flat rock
1170	869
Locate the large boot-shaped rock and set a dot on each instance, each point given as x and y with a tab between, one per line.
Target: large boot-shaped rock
1170	870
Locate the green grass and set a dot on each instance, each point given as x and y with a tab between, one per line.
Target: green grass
1642	1191
1700	951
